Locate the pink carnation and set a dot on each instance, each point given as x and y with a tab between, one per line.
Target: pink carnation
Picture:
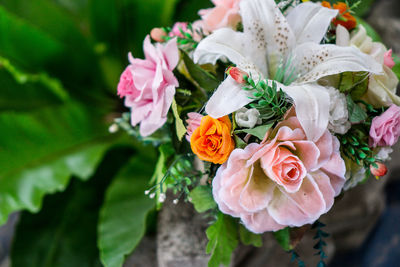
148	85
193	122
286	180
385	129
224	14
176	29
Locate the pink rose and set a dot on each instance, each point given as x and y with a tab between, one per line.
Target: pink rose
385	129
148	85
224	14
193	122
388	59
286	180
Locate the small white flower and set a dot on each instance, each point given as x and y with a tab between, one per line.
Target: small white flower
354	174
147	192
338	113
113	128
152	195
247	118
175	201
383	153
161	198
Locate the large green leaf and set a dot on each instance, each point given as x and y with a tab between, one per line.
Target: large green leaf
22	91
122	24
73	61
223	239
39	151
64	233
123	217
187	9
204	79
14	44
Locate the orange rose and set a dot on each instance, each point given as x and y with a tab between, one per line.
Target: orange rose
346	19
212	140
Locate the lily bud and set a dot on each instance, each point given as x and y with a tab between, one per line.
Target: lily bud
157	35
380	171
237	74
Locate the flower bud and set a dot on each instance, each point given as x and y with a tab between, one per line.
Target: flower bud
380	171
157	35
388	59
237	74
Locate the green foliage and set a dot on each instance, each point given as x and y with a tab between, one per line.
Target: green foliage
181	177
122	222
248	238
222	240
259	131
202	198
63	234
201	77
354	83
187	41
179	126
320	235
296	257
354	145
356	113
283	238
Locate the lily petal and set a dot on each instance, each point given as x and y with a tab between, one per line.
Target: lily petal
228	98
312	108
263	23
224	42
313	61
310	21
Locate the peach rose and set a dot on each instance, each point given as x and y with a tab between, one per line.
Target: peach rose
286	180
212	140
224	14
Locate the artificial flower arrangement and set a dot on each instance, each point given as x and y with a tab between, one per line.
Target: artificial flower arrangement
263	113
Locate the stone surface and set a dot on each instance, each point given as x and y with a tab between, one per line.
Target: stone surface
181	238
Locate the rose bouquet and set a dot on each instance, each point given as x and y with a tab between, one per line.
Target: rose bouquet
263	113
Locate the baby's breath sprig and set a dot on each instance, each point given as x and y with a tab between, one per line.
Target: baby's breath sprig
123	123
179	177
271	102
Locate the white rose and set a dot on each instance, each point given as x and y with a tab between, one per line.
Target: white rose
354	174
247	118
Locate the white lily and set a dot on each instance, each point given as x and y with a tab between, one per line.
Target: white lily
270	38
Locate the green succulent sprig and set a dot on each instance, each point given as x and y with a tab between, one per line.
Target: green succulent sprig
271	102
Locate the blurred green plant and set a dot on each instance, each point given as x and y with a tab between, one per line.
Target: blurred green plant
60	62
